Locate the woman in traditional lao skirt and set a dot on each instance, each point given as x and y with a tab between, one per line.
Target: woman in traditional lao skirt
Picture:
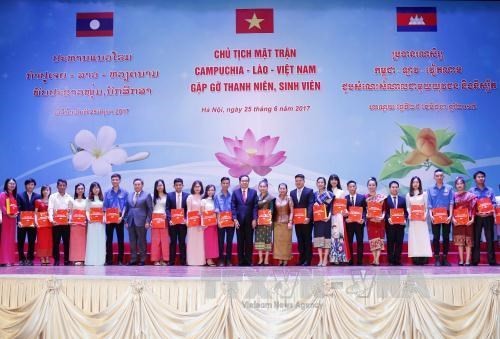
210	235
323	228
463	234
339	253
78	231
375	225
283	220
264	233
44	234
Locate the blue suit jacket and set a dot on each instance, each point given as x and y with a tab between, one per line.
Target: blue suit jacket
139	213
244	211
26	204
172	203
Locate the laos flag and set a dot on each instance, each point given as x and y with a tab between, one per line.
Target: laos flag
94	24
416	19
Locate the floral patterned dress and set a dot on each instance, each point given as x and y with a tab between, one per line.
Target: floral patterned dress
463	234
340	251
376	229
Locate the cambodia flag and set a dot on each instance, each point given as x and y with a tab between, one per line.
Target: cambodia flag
94	24
416	19
256	20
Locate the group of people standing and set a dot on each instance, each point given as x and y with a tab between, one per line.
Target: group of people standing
201	225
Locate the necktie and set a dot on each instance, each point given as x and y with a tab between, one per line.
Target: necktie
135	197
179	203
395	202
299	193
352	201
244	196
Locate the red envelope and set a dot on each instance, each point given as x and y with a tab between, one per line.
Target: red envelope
397	216
339	205
194	218
209	218
61	217
440	215
374	209
355	214
11	206
43	219
319	212
417	212
177	216
461	216
226	219
484	205
112	215
27	219
78	217
265	217
96	214
158	220
299	215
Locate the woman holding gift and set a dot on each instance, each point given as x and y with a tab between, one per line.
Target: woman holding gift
323	228
375	224
95	254
419	242
264	230
8	205
463	234
195	240
339	253
44	232
78	231
283	221
210	236
160	239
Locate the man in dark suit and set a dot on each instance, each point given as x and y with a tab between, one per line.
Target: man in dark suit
137	221
355	228
177	233
244	209
395	231
26	202
303	197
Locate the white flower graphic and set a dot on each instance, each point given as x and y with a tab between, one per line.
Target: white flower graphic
98	152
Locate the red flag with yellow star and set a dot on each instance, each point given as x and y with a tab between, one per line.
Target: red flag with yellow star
255	20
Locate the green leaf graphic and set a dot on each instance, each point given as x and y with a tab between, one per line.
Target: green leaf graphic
410	135
395	168
457	156
443	137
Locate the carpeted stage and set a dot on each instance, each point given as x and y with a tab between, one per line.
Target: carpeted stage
291	302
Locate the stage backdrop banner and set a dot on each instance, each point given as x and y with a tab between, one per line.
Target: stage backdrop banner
200	90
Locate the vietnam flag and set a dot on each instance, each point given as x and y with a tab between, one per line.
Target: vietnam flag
416	19
256	20
94	24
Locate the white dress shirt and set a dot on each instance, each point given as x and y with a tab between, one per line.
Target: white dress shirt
59	202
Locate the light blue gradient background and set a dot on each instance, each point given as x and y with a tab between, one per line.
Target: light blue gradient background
346	40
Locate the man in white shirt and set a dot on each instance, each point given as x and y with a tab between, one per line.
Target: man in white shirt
60	201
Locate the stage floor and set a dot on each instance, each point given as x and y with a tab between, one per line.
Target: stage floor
197	273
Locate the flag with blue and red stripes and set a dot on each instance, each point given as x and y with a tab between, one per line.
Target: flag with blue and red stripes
94	24
416	19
